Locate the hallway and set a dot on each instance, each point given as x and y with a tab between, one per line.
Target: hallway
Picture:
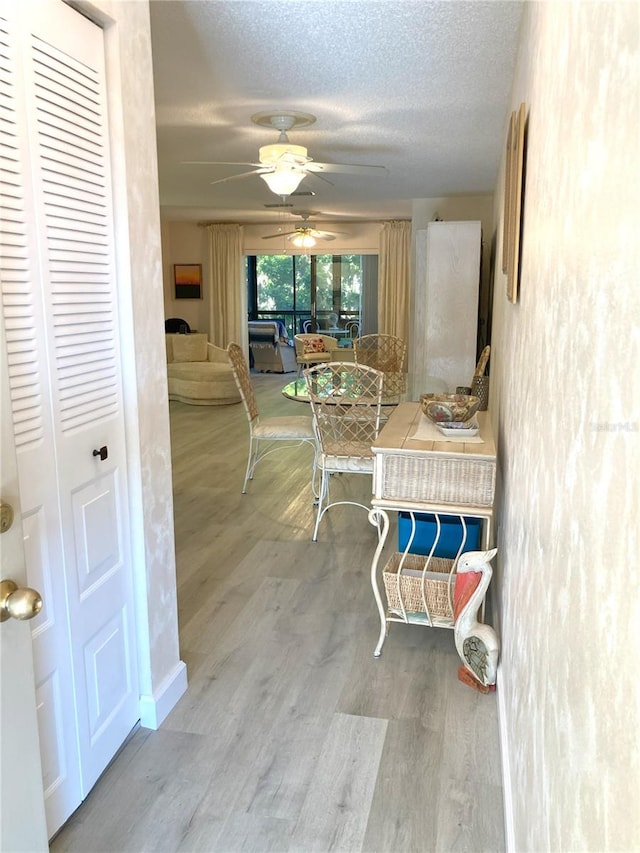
291	737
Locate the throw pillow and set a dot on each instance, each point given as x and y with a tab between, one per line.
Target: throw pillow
311	345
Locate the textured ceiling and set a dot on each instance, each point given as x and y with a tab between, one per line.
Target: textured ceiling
418	87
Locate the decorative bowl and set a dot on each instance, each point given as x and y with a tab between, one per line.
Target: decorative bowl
459	429
445	408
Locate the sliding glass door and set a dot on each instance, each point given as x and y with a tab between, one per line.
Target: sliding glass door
307	292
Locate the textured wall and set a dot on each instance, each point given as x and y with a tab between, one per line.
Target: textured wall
132	127
563	400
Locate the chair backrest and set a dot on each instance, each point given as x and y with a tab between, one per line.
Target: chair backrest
272	331
186	348
306	326
386	353
345	401
263	331
353	327
175	325
242	376
329	342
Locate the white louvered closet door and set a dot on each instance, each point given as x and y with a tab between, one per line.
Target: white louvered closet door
60	308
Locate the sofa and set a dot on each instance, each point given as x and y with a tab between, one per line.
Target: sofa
269	347
198	372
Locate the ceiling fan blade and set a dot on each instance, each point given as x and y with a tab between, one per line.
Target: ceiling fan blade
372	171
330	235
260	171
281	234
310	174
217	163
311	231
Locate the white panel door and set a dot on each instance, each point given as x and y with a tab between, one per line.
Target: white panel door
26	354
59	301
23	826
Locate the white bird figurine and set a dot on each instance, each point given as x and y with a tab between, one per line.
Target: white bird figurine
476	643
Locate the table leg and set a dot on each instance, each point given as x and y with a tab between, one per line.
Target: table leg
375	517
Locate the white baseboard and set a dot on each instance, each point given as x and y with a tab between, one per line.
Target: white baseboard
155	708
507	793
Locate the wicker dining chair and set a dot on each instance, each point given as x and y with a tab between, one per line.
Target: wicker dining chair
353	328
345	401
386	353
265	435
313	348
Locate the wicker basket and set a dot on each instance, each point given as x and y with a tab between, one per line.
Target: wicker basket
436	479
436	585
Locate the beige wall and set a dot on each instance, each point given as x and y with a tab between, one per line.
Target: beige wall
356	237
184	242
565	407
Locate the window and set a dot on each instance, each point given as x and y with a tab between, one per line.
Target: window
326	289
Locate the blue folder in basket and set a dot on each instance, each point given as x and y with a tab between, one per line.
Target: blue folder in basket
451	534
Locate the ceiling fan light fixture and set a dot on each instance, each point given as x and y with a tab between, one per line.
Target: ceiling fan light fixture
284	180
303	241
270	155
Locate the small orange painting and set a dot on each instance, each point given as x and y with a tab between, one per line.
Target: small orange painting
188	281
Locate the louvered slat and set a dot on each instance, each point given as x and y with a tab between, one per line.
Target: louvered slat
74	184
16	274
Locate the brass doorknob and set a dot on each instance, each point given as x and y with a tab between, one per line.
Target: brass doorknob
19	602
6	516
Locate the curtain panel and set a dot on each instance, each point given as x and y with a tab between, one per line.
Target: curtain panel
394	279
226	285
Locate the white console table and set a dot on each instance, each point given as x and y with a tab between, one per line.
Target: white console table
426	476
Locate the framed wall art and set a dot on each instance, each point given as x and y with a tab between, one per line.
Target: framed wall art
513	201
506	222
187	280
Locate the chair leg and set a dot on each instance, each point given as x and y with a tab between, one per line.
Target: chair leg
255	456
322	501
251	464
315	486
325	504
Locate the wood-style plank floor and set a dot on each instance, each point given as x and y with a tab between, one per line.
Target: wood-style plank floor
291	736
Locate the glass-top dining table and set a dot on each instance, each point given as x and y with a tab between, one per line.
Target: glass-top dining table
414	385
335	332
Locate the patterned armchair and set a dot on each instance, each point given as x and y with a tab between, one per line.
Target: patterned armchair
313	348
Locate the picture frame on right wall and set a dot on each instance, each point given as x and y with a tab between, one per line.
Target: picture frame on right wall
513	201
506	219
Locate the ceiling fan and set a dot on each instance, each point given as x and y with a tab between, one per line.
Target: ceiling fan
282	165
304	236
